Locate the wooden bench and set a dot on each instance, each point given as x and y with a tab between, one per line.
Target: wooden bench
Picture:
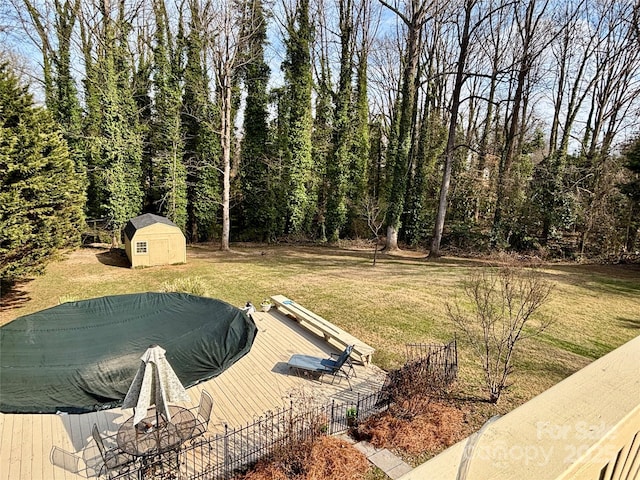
327	329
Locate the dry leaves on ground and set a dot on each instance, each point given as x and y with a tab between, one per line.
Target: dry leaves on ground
440	426
325	458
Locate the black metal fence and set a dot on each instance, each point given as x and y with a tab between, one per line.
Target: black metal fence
435	360
223	456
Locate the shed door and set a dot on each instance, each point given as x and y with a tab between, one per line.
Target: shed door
159	251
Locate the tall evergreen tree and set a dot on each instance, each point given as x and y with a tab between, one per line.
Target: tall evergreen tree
114	140
297	68
41	194
258	210
202	141
340	162
171	177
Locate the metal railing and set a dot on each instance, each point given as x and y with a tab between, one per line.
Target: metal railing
436	360
224	455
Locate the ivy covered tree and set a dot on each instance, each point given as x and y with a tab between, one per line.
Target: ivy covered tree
171	175
343	134
201	138
114	137
258	213
55	34
442	101
631	188
298	79
41	194
399	155
357	182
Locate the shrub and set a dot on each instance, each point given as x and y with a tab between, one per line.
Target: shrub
503	303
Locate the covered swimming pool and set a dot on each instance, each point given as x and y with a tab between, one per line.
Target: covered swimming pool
82	356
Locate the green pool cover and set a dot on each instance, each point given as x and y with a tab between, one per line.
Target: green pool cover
82	356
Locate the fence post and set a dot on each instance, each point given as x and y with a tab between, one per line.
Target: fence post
291	430
455	347
358	409
332	427
225	452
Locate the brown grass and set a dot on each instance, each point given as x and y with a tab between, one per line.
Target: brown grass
402	300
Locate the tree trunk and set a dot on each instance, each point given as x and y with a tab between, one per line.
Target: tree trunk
392	239
513	131
226	160
453	121
404	140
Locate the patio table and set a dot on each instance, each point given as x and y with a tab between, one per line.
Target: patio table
158	439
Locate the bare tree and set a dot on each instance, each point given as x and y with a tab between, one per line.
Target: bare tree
529	18
504	302
230	29
374	213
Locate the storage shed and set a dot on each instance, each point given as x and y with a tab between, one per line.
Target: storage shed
154	240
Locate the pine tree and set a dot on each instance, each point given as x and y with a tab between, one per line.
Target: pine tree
41	194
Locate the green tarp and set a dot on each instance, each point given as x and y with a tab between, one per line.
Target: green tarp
82	356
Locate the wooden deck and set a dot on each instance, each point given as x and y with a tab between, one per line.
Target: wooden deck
258	382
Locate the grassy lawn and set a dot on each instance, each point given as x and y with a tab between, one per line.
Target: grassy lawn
402	300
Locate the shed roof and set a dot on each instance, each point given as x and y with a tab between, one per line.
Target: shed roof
144	220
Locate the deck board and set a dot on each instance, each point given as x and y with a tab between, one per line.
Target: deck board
258	382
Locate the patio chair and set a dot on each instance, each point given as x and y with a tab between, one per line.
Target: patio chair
115	460
338	367
66	460
203	415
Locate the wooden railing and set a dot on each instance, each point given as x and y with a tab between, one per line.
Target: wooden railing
585	427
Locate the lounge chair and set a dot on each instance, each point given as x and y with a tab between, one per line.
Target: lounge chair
336	367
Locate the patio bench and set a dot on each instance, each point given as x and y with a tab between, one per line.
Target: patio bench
328	330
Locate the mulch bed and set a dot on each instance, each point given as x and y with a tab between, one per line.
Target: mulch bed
325	458
440	424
